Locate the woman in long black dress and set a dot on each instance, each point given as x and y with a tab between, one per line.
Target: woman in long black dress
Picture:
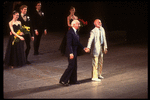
15	52
70	18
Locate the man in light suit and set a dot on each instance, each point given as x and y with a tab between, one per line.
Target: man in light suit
98	37
70	74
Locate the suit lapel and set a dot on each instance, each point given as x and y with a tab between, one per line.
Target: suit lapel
75	35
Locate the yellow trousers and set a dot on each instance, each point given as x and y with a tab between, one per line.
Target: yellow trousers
97	64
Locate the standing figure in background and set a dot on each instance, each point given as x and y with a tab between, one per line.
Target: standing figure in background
25	20
15	51
97	35
70	18
39	27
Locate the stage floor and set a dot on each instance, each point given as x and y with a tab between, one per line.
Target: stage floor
125	73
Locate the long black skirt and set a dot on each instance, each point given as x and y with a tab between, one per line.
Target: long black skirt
15	55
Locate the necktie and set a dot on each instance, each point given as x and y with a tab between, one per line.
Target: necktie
77	34
101	37
40	13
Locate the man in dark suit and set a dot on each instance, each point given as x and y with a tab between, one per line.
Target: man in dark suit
25	20
70	74
39	27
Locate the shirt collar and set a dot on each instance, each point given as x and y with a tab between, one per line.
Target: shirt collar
99	28
38	10
74	30
22	14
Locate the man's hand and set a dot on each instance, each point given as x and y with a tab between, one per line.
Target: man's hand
11	33
71	56
36	32
32	38
45	32
105	51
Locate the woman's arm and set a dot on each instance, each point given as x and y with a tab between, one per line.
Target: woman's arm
12	30
68	22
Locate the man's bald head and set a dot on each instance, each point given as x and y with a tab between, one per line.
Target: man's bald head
97	23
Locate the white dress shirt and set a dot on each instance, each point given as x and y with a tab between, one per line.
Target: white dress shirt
24	17
75	30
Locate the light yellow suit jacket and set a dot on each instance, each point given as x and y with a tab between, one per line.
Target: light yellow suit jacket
95	38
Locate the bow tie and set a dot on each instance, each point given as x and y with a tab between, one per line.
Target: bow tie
24	15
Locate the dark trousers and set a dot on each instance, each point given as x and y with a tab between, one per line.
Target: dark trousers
27	38
70	74
37	39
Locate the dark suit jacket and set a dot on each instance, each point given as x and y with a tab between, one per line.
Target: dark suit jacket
72	43
26	23
39	21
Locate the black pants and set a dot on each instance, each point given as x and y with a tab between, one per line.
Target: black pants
70	74
27	38
37	39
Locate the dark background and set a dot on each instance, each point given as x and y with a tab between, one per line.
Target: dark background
129	16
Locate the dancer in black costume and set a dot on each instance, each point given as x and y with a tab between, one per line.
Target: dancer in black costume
15	52
70	18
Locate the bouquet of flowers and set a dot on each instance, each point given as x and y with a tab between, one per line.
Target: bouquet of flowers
24	29
82	22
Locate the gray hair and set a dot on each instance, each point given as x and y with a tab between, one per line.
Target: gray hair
74	22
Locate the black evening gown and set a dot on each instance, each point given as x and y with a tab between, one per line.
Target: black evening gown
63	44
15	53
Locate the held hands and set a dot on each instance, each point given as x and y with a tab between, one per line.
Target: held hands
87	50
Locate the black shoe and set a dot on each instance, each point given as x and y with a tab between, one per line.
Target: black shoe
65	84
27	62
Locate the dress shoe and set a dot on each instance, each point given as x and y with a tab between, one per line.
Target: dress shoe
101	77
65	84
96	79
